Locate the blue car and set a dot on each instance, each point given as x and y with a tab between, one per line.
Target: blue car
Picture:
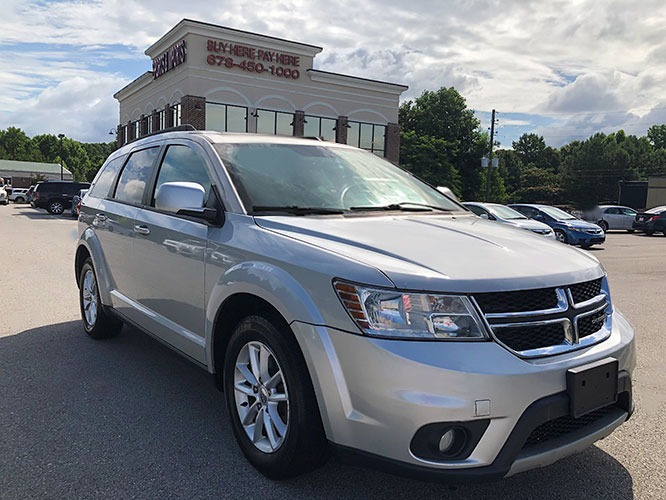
567	228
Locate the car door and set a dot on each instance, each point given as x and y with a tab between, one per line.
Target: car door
111	208
613	218
169	256
628	217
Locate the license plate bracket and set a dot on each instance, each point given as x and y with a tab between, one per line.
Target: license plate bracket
592	386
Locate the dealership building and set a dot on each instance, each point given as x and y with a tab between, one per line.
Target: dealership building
218	78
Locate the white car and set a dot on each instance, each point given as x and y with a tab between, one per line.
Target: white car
19	195
612	217
509	216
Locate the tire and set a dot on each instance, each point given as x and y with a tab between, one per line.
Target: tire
649	233
631	230
603	225
561	236
293	441
96	321
56	207
19	199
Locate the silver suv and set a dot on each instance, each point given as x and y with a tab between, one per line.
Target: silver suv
342	304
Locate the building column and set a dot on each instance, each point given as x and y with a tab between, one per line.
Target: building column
341	129
193	111
143	126
155	118
120	135
168	116
299	123
392	143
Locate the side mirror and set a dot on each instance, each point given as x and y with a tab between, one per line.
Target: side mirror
447	192
484	216
539	217
184	198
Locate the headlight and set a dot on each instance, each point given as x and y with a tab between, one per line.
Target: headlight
407	315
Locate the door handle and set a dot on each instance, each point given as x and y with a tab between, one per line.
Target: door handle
141	230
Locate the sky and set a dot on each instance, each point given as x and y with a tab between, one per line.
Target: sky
562	69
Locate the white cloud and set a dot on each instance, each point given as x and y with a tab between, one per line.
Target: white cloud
584	64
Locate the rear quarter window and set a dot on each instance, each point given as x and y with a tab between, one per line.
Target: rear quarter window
106	178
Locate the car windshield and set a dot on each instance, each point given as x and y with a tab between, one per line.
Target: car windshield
656	210
504	212
310	179
557	214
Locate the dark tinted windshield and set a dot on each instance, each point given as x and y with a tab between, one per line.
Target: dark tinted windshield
296	175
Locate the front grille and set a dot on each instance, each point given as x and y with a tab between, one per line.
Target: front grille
585	291
547	321
520	301
592	323
562	426
525	338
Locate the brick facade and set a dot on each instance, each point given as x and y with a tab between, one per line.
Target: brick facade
341	127
392	143
193	111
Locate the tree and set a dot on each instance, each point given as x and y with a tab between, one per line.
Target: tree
428	158
15	145
532	150
657	136
443	115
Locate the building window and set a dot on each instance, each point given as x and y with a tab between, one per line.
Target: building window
367	136
136	127
160	120
149	125
274	122
226	118
175	109
317	126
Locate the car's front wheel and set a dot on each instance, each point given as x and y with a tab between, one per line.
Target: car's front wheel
56	207
561	236
271	401
603	225
97	323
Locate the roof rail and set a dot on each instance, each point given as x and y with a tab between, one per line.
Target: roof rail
180	128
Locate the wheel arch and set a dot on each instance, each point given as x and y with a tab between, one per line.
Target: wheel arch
89	247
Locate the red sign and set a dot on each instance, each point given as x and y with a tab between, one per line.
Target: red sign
170	59
232	55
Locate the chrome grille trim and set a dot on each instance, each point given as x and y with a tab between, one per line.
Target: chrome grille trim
567	313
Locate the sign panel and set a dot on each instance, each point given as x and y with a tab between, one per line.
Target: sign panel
231	55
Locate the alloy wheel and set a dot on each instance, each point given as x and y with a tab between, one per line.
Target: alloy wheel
260	394
89	298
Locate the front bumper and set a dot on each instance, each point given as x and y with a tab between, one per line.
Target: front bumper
584	239
374	395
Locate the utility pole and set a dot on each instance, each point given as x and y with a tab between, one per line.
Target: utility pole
60	136
490	155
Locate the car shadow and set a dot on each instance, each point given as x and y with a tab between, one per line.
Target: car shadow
129	418
38	213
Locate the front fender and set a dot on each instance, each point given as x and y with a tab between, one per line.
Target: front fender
270	283
89	240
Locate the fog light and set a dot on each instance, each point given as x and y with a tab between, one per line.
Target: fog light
447	440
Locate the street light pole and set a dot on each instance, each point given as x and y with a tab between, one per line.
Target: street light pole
60	136
490	155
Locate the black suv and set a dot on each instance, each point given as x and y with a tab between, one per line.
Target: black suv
56	196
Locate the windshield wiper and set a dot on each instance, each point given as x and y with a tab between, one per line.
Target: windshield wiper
405	206
296	210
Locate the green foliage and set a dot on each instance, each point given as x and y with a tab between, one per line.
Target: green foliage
82	159
441	137
657	136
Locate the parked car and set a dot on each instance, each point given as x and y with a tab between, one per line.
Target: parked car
609	217
567	228
509	216
18	195
651	221
342	303
3	196
28	194
56	196
76	202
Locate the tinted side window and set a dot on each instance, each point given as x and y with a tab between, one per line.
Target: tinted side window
182	163
136	175
476	210
105	179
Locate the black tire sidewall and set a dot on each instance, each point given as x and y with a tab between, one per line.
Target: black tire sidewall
298	453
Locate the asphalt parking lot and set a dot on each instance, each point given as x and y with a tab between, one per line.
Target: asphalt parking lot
127	418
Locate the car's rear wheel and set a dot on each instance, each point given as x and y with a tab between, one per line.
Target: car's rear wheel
97	323
561	236
19	199
271	401
649	233
56	207
603	225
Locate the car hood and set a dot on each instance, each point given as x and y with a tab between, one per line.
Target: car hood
579	224
456	253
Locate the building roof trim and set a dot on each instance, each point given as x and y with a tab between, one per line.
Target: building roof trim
135	85
190	26
357	82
